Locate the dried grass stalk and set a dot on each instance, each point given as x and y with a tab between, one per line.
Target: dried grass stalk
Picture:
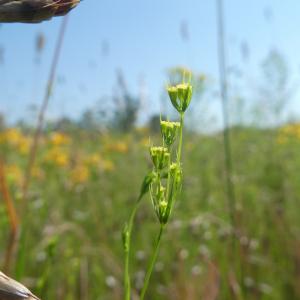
13	290
13	219
33	11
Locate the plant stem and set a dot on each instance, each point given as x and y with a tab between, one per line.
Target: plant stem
226	124
231	193
152	262
12	217
41	115
179	150
169	176
180	137
127	253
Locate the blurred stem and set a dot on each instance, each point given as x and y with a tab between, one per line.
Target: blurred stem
4	190
152	262
226	130
231	197
41	116
127	252
13	220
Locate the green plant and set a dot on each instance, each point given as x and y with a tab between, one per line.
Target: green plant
164	181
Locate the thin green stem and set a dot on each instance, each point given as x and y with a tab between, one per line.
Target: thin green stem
170	194
127	252
179	150
169	176
152	262
180	137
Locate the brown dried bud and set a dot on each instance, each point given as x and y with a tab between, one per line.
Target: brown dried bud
13	290
33	11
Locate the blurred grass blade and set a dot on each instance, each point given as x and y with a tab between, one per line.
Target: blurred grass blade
12	214
42	112
13	220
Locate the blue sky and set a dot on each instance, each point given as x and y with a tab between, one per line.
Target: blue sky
144	40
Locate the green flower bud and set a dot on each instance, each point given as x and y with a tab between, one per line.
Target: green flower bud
176	174
159	202
161	194
162	208
174	168
180	96
169	131
185	92
173	94
160	157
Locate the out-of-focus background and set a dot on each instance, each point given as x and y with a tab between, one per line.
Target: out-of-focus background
67	188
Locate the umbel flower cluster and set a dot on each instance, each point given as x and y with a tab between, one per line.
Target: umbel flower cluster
167	172
166	177
164	181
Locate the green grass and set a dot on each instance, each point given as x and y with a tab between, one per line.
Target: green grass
72	244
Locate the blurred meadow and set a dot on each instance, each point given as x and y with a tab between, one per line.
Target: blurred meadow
74	149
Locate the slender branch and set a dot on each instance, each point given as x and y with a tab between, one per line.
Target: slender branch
41	116
152	262
226	131
127	252
12	214
172	196
169	175
13	220
180	137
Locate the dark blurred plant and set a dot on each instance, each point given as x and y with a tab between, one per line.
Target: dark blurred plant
274	91
154	123
89	120
126	107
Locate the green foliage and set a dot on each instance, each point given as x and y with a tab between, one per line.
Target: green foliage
87	221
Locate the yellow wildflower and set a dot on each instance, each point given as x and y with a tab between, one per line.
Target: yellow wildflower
108	165
57	156
80	174
11	136
281	139
24	145
287	132
59	139
120	147
93	159
15	138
